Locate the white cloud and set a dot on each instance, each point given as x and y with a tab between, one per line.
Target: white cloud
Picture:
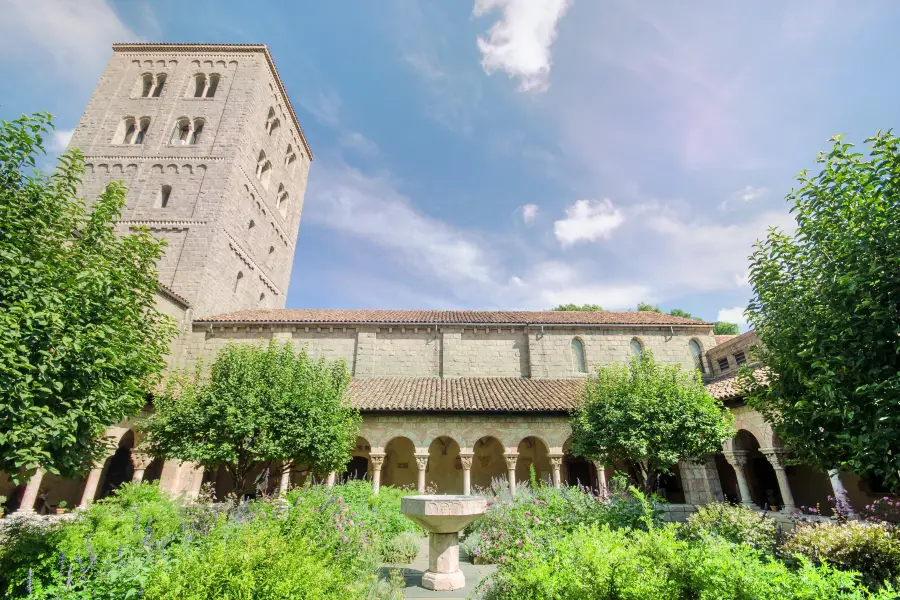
519	43
732	315
742	279
587	221
78	35
357	141
530	213
748	193
60	140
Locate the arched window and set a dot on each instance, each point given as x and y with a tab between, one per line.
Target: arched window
199	85
262	297
146	85
281	200
289	156
263	169
275	125
270	118
160	82
198	129
142	132
164	193
271	249
237	281
578	363
697	354
260	161
182	132
636	347
213	85
128	129
252	224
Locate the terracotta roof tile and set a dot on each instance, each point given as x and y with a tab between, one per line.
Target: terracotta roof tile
448	317
725	387
721	339
466	394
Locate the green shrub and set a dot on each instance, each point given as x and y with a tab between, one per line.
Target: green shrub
737	524
402	548
872	549
600	563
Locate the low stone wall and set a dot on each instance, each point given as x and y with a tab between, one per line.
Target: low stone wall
677	513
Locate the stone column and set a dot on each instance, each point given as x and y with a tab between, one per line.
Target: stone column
285	483
556	465
511	459
422	464
601	476
140	461
738	460
466	460
842	503
26	506
377	461
90	486
443	572
329	482
776	457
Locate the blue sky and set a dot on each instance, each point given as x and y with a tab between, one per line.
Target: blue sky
518	153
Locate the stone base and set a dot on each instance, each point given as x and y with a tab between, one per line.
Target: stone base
443	582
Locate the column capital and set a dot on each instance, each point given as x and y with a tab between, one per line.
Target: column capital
775	456
377	460
421	461
141	460
556	460
511	459
466	460
737	458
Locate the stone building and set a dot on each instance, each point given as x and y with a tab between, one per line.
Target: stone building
215	161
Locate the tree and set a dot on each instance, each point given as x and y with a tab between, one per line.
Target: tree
578	307
81	341
644	307
258	404
723	328
827	308
649	417
677	312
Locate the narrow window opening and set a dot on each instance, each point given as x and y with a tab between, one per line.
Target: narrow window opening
164	193
578	361
237	281
252	224
199	85
146	84
262	297
697	354
160	82
213	85
129	131
198	130
740	358
723	364
142	132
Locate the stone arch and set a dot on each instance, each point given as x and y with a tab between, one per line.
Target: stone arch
697	353
156	169
578	470
359	466
154	470
533	451
488	462
444	470
637	346
760	474
399	469
118	468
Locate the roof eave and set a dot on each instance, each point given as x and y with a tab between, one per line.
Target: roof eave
441	324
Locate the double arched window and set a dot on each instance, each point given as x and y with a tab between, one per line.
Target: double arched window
289	156
282	199
578	363
697	355
187	132
272	122
132	131
150	86
205	86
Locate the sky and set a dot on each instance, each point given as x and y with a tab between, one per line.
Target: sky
518	154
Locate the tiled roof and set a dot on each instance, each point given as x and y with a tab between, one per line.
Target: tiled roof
449	317
721	339
204	47
467	394
725	387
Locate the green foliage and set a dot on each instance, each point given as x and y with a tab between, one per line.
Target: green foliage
736	524
401	549
604	564
871	549
538	517
826	304
579	307
142	544
723	328
81	341
649	417
644	307
259	404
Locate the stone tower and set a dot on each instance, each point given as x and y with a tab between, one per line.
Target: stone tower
215	161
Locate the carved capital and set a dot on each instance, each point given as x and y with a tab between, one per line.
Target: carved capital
737	458
377	461
466	460
601	468
141	460
556	461
421	461
511	460
775	456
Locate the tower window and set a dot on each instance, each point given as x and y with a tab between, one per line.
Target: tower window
262	297
237	281
289	156
199	85
160	82
263	169
578	362
252	224
198	129
164	193
187	132
213	85
142	132
146	85
282	199
131	131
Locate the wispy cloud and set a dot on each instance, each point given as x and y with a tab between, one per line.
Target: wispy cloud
733	315
530	213
748	193
60	140
519	43
587	221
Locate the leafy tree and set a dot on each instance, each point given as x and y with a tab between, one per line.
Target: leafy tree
649	417
827	309
644	307
723	328
578	307
677	312
81	342
258	404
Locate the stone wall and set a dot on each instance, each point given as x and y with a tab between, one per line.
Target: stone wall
726	351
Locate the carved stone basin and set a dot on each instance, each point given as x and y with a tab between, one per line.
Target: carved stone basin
443	517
